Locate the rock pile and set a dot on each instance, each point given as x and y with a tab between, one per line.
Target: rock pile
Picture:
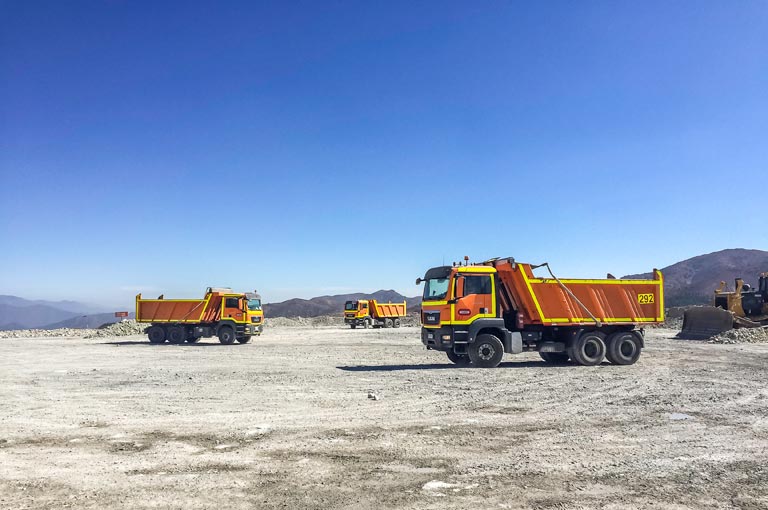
122	328
304	322
26	333
742	336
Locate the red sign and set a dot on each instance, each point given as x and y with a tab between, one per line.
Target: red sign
121	314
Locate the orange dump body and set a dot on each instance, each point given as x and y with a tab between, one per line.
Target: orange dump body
206	310
552	302
386	310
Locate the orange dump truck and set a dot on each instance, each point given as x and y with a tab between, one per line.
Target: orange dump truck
478	312
228	315
368	313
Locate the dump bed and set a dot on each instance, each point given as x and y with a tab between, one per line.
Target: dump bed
178	310
551	301
387	310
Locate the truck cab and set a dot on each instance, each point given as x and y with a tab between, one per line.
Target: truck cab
254	313
357	313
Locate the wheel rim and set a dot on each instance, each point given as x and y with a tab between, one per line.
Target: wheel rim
627	349
486	352
592	349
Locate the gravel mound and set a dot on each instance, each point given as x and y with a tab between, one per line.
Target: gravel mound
122	328
25	333
742	336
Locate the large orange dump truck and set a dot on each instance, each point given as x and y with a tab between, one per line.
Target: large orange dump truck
478	312
369	313
228	315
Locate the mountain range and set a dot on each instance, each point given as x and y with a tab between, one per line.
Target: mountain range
691	281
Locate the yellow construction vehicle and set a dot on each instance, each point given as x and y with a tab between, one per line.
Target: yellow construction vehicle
743	307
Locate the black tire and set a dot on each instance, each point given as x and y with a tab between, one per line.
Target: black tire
588	349
396	323
226	335
623	348
486	352
555	358
244	339
458	359
176	334
353	326
388	323
156	334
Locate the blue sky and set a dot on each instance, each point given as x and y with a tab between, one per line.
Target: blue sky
308	148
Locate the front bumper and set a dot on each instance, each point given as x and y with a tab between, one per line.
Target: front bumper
358	321
443	338
253	329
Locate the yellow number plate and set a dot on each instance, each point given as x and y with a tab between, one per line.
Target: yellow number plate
645	299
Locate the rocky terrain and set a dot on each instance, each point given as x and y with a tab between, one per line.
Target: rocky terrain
330	417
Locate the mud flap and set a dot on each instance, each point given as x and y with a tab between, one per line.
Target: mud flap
702	322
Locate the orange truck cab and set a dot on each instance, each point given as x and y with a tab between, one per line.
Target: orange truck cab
370	313
476	313
228	315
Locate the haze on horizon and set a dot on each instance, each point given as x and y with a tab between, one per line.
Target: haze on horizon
307	148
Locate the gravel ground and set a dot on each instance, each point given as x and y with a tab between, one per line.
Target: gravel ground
340	418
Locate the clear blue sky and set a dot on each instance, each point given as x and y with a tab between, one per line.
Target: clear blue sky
308	148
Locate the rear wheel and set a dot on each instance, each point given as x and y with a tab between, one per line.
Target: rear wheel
556	358
177	334
486	352
588	349
156	334
623	348
396	323
244	339
226	335
387	323
459	359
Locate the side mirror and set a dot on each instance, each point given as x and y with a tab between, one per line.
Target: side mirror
418	281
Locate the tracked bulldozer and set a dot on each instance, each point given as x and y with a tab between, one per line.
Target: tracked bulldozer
743	307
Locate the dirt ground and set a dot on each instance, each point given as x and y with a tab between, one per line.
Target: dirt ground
336	418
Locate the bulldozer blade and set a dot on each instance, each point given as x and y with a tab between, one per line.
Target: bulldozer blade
702	322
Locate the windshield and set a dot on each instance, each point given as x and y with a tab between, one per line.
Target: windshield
254	304
435	289
350	305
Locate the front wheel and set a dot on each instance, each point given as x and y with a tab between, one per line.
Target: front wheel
486	352
226	335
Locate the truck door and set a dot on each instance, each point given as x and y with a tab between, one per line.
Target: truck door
477	298
232	309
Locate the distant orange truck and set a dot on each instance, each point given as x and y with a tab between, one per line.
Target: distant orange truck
369	313
477	312
228	315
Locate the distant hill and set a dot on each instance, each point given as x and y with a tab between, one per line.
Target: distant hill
20	313
87	321
31	316
333	305
694	280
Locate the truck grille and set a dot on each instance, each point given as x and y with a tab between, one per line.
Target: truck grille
255	319
431	317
